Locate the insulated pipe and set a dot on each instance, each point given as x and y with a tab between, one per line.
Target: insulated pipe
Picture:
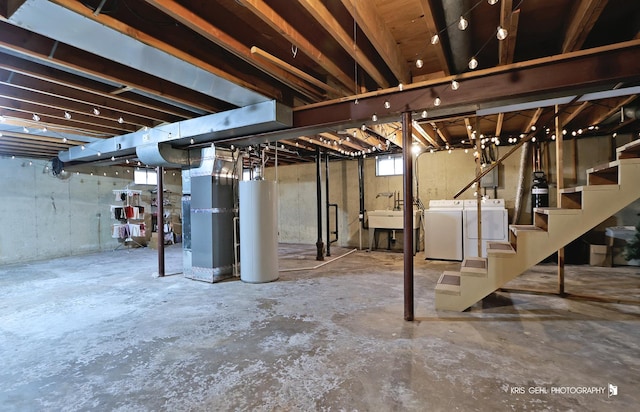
160	220
319	244
326	189
407	187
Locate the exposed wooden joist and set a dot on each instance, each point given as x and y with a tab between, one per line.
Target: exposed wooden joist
499	124
280	25
342	142
118	26
326	19
145	107
442	132
297	145
469	128
534	119
574	114
230	44
286	66
425	135
38	47
583	17
374	27
507	47
432	27
38	138
608	113
368	138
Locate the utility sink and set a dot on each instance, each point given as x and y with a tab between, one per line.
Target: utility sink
390	219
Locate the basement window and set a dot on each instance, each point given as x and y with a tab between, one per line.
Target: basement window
145	177
389	165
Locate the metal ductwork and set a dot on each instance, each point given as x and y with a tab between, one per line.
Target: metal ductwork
162	154
257	118
459	40
61	24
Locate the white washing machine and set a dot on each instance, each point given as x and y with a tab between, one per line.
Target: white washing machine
443	230
495	225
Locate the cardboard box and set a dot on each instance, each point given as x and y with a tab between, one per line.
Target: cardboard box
600	255
617	238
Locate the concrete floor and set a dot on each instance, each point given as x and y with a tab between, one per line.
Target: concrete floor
99	332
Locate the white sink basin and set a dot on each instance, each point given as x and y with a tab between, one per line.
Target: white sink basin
390	219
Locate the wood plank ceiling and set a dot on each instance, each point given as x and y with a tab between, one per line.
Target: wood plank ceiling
54	96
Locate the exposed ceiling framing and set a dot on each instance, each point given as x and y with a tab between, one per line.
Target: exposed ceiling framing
318	57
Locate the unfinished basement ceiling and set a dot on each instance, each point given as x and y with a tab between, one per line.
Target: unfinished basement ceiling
55	95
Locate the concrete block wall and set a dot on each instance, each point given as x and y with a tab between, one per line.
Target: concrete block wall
46	217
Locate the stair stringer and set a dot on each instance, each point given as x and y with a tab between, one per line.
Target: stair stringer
562	227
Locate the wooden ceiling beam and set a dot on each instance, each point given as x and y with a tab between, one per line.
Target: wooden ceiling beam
297	145
230	44
72	101
341	141
38	47
583	17
282	26
374	27
611	111
442	132
132	32
534	119
326	19
432	28
39	138
145	107
426	136
469	128
507	47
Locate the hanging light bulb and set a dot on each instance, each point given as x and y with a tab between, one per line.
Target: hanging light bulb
424	114
35	118
67	115
419	63
437	101
82	147
24	129
492	2
64	140
44	129
553	137
193	141
387	105
463	23
400	86
502	33
120	120
435	39
455	85
96	111
3	119
99	154
473	63
374	117
113	158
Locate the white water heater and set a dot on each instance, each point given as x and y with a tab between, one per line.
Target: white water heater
258	231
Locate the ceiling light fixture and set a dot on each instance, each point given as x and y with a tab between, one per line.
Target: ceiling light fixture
424	114
400	86
435	39
419	63
455	85
473	63
35	117
24	129
437	101
387	105
492	2
67	115
96	111
374	117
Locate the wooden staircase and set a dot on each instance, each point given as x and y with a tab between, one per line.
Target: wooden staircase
609	189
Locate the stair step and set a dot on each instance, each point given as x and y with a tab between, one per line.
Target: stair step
474	266
556	211
606	174
449	283
500	248
589	188
572	197
524	228
629	150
